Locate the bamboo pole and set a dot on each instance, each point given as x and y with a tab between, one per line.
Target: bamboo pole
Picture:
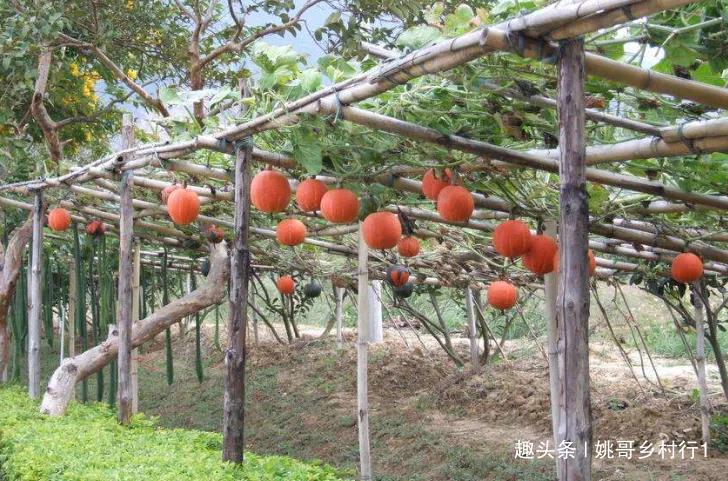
551	287
339	294
136	284
362	344
472	331
572	305
699	314
36	297
124	317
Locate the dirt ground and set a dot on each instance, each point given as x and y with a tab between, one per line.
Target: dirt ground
429	420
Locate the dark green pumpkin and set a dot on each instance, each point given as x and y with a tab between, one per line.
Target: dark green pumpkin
405	291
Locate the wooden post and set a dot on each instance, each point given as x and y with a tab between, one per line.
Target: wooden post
36	298
339	293
125	298
700	361
376	333
550	287
135	288
572	305
472	330
362	350
234	405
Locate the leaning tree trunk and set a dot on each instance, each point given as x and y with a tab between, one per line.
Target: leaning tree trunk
72	370
11	263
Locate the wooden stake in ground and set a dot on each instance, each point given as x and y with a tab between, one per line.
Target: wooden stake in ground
572	306
700	360
125	303
362	360
233	426
550	287
472	330
36	298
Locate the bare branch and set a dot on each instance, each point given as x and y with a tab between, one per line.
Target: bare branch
40	114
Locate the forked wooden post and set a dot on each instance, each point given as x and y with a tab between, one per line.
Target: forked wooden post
125	301
36	298
550	287
700	361
572	305
472	330
362	360
233	427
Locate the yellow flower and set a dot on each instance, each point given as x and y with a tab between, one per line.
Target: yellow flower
87	135
73	67
131	73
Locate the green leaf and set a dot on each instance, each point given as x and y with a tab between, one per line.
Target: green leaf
307	150
418	37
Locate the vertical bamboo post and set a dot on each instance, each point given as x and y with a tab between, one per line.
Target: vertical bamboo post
472	330
135	288
125	297
376	332
36	298
362	350
550	287
339	294
572	305
233	426
700	361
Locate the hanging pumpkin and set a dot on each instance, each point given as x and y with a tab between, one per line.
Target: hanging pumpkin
512	238
540	257
183	206
270	191
432	185
340	206
59	219
408	246
381	230
397	275
285	285
502	295
404	291
590	259
309	194
167	191
96	228
686	268
291	232
214	234
455	203
312	290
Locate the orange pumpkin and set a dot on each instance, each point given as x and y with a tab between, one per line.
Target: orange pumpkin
96	228
502	295
214	234
686	268
167	191
590	258
309	194
408	246
381	230
397	276
540	257
285	285
59	219
432	185
455	204
291	232
270	191
340	206
183	206
512	238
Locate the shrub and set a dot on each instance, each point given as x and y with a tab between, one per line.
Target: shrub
88	445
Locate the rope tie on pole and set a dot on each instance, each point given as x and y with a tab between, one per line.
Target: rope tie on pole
689	143
627	10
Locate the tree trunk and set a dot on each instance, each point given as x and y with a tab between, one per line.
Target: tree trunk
572	306
700	361
233	427
11	264
472	331
136	284
126	271
36	298
362	374
73	370
551	287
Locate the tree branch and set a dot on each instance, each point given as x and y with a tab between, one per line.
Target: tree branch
40	114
